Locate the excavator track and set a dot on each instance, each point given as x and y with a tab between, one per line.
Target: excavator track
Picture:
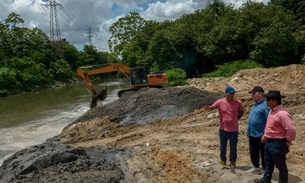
120	93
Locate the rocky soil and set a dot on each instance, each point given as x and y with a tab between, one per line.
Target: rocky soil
161	135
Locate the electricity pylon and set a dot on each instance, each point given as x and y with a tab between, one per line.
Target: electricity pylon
55	37
54	23
89	32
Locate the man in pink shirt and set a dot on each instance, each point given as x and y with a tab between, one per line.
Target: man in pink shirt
279	132
230	111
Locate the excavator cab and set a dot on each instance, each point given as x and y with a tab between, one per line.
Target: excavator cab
138	75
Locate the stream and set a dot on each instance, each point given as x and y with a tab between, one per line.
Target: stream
31	118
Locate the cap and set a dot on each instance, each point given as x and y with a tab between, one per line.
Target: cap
257	89
230	89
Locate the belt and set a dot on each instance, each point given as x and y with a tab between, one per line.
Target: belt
274	140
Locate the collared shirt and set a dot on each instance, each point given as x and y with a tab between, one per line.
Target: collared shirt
279	125
228	113
257	119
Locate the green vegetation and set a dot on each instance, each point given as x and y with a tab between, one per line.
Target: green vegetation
303	61
218	40
176	76
228	69
28	60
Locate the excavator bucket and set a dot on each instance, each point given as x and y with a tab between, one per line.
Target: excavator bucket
99	96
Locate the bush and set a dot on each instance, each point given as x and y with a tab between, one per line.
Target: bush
228	69
303	61
8	81
61	70
176	76
4	93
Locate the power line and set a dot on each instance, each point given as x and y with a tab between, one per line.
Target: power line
76	21
75	14
69	17
72	18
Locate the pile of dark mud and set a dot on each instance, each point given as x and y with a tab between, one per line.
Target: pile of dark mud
149	104
56	162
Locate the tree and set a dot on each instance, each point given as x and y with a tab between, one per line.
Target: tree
4	42
28	57
61	70
13	19
218	39
274	40
72	55
162	50
275	46
90	56
296	7
124	30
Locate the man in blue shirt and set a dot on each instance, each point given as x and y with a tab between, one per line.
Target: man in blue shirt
256	126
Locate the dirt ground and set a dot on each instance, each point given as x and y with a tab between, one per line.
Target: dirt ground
171	139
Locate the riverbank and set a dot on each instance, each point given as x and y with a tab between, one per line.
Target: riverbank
158	135
30	118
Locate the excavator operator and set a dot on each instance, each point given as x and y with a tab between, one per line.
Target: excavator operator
140	77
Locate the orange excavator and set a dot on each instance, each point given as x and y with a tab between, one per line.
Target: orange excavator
137	77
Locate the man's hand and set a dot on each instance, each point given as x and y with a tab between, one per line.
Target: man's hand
207	108
289	144
263	139
240	114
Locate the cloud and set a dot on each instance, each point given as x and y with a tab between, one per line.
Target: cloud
77	16
171	10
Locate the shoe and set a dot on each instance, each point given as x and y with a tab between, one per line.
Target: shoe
232	164
261	181
254	170
262	175
222	162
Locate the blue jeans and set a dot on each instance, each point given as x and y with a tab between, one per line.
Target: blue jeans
224	136
275	154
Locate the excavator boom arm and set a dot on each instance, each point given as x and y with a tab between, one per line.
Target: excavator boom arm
93	70
112	67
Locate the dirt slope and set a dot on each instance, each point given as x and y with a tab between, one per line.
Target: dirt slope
170	138
185	148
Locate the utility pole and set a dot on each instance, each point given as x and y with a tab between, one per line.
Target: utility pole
89	32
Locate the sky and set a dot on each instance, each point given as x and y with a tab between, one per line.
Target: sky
78	17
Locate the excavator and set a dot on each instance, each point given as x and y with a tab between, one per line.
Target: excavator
137	77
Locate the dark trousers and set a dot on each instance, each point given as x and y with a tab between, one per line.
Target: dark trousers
256	151
275	155
232	137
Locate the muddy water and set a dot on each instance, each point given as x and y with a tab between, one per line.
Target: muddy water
31	118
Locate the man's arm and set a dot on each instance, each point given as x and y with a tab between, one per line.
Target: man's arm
209	107
240	114
288	125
